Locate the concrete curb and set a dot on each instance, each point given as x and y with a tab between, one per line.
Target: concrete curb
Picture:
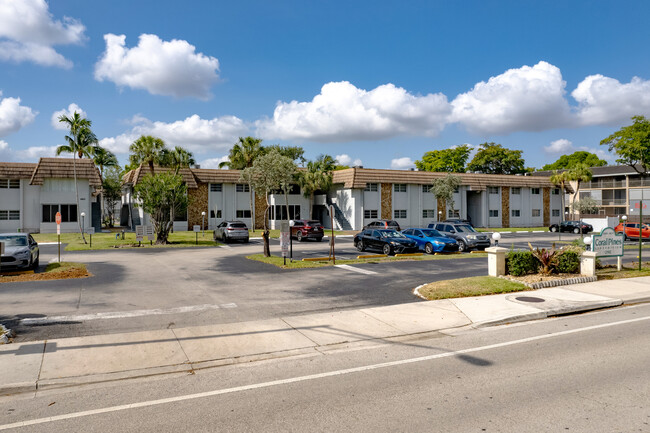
553	283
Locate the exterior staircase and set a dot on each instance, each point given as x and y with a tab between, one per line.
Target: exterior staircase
340	221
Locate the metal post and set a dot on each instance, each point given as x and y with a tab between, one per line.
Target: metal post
91	240
58	236
640	229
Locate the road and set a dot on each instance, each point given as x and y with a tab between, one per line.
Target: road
584	373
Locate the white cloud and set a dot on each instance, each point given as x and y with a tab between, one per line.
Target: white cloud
345	159
28	31
562	145
213	162
402	163
162	68
14	116
524	99
193	133
36	152
69	112
606	101
343	112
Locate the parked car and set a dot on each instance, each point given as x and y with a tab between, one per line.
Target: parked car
571	226
631	230
307	229
383	224
21	251
458	221
385	240
231	231
431	241
466	236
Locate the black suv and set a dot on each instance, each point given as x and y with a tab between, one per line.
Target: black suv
383	224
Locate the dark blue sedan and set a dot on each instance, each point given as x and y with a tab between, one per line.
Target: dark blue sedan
431	241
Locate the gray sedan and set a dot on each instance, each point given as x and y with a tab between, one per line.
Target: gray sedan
20	251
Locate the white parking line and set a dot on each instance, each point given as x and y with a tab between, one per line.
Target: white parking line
353	269
225	246
122	314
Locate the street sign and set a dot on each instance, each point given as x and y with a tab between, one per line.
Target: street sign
58	217
197	228
90	230
608	243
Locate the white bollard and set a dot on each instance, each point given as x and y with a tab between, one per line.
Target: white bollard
496	261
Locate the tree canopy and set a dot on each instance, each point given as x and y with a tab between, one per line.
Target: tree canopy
493	158
632	144
444	189
566	162
317	177
147	150
450	160
162	195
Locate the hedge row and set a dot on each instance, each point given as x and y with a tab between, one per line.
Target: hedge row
520	263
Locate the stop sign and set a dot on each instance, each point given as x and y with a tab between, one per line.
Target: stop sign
58	217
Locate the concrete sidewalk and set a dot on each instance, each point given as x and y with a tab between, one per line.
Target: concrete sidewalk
73	361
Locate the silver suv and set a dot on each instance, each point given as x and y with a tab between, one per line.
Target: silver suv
465	235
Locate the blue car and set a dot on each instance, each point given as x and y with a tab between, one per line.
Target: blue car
431	241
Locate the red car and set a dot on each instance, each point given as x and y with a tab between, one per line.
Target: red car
631	230
307	229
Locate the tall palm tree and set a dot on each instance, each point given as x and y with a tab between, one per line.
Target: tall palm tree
177	158
147	150
103	158
560	179
80	143
317	177
242	155
579	173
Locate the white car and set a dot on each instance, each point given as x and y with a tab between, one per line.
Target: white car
20	251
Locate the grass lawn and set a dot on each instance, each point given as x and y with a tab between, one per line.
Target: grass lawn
472	286
610	273
53	271
513	229
299	264
102	241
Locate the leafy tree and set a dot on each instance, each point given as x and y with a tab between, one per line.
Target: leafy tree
444	189
147	150
317	177
80	143
112	192
295	153
578	174
561	179
579	157
495	159
446	160
269	172
586	205
103	158
632	145
161	196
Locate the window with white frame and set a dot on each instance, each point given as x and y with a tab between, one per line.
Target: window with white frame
494	213
556	212
534	191
537	213
68	213
453	214
399	187
426	188
399	213
243	213
516	191
493	190
428	213
279	212
555	191
243	187
216	187
371	187
370	213
515	213
9	215
215	215
9	183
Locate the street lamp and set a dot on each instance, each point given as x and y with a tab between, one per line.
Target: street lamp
496	236
439	215
203	222
291	224
83	226
587	241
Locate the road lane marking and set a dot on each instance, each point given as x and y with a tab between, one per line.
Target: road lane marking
310	377
122	314
353	269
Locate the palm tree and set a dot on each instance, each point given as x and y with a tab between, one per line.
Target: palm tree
80	143
147	150
318	177
579	173
177	158
560	179
242	155
103	158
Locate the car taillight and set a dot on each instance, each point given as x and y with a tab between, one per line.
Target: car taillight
307	227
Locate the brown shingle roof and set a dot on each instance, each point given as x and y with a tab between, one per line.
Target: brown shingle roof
208	175
16	170
359	177
63	168
134	176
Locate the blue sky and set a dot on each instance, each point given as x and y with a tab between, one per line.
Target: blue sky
377	83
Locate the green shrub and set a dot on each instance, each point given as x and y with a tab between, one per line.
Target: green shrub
521	263
568	262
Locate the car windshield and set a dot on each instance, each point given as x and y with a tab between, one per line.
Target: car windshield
14	241
432	233
465	229
391	234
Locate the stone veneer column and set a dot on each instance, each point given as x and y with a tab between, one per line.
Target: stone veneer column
260	207
547	206
387	201
441	207
505	206
198	202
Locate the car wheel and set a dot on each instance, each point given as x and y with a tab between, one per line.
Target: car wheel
386	249
360	246
553	229
35	264
462	246
576	230
428	248
319	239
624	237
299	236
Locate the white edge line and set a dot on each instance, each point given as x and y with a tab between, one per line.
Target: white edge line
309	377
353	269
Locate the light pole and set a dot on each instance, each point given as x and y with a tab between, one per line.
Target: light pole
83	226
203	222
439	215
291	223
587	241
496	236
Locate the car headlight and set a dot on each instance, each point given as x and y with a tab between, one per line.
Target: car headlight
438	243
471	236
22	254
